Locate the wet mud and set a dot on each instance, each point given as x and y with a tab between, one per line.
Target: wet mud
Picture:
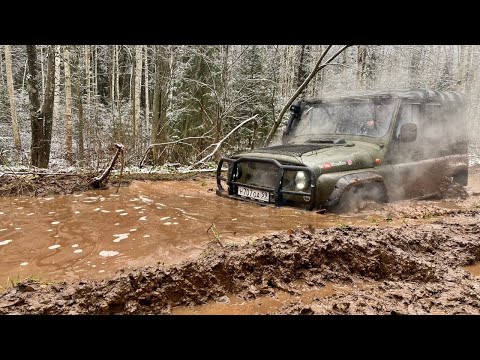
407	257
406	270
46	184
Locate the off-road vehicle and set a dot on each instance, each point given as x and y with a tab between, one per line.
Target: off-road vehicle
334	153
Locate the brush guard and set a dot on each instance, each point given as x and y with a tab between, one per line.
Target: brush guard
277	192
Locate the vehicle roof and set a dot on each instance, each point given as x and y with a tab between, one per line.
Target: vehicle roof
450	97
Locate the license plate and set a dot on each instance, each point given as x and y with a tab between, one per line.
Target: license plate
259	195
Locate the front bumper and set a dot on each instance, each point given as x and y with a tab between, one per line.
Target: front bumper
277	193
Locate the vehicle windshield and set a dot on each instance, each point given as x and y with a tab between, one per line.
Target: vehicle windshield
351	117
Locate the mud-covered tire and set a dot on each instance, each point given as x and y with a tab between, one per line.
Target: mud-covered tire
354	196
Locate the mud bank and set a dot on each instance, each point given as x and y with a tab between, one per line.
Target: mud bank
39	184
411	269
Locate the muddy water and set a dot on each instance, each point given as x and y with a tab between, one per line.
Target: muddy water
233	305
92	235
474	269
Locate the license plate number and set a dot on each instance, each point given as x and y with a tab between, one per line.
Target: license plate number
259	195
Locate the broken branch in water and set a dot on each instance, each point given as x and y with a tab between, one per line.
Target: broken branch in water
97	181
216	234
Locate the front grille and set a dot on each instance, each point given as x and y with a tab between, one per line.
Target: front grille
258	173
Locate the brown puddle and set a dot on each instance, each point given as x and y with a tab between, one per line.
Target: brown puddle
93	234
266	304
473	269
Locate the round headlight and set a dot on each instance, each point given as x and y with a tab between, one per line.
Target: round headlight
301	180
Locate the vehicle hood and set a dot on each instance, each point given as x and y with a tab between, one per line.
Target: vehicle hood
322	158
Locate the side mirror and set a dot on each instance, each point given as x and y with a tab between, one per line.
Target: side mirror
408	132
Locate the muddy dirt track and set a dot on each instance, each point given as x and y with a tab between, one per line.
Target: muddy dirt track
415	258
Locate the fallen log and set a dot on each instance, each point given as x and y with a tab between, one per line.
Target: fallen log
97	181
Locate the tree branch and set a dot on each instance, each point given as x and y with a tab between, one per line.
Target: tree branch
151	146
222	141
319	66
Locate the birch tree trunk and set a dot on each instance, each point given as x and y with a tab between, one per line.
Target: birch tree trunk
112	92
137	93
43	71
87	72
11	97
95	84
68	106
147	105
81	150
58	75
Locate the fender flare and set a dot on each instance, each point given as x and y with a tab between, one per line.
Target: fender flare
348	181
457	168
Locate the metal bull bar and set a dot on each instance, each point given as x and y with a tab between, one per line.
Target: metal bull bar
277	191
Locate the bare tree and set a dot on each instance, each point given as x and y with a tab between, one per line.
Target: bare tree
147	104
80	125
58	75
159	100
11	97
137	93
362	66
47	106
319	66
68	106
36	121
40	117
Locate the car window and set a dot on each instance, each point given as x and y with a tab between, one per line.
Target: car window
434	123
409	113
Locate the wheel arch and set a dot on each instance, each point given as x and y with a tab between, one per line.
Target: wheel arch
349	181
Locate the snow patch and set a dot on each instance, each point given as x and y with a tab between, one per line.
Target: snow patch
120	237
106	253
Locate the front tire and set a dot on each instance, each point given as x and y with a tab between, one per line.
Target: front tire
353	197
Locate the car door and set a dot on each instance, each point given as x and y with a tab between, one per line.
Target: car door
410	171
